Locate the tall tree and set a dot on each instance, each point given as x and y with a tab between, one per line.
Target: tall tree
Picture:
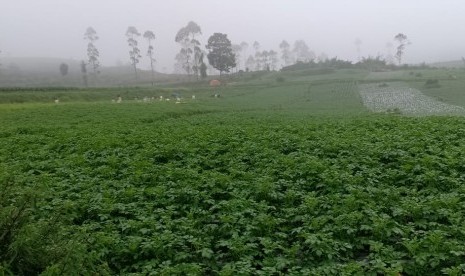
249	63
244	48
190	47
134	53
403	41
220	54
256	46
64	69
202	68
179	64
273	59
265	60
286	54
92	51
302	51
322	58
258	58
389	57
84	73
196	61
149	35
236	48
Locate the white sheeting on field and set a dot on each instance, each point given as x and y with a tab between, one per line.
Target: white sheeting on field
409	101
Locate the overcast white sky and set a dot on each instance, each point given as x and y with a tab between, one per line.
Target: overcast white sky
55	28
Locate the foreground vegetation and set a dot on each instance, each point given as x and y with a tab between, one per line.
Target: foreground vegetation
274	177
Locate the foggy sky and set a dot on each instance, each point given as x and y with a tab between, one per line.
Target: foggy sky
55	28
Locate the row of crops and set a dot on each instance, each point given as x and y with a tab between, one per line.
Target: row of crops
395	96
229	193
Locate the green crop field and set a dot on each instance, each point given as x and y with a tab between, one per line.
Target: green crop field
291	173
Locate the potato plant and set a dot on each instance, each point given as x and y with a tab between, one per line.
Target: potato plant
228	193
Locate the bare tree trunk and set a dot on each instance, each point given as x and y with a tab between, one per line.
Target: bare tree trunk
151	67
84	77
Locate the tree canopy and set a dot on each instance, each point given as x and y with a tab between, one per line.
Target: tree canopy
134	53
221	55
403	41
64	69
189	55
92	51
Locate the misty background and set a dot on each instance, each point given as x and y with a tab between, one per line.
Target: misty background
55	28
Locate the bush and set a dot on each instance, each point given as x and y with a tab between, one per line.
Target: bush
432	83
280	79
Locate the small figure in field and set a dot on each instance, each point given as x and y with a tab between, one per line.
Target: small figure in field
161	98
57	100
193	97
119	99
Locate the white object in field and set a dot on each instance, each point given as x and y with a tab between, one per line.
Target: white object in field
57	101
119	100
193	97
161	98
168	99
406	100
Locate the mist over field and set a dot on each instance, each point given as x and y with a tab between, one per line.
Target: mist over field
55	28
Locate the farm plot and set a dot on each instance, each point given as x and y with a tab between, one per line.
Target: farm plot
409	101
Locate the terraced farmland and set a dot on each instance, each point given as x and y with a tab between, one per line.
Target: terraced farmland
398	97
269	179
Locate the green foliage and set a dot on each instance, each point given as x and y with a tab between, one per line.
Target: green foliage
247	193
432	83
266	183
280	79
31	243
63	69
220	54
328	64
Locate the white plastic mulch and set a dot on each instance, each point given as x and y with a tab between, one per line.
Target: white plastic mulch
409	101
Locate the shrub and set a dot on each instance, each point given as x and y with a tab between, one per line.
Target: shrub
432	83
280	79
